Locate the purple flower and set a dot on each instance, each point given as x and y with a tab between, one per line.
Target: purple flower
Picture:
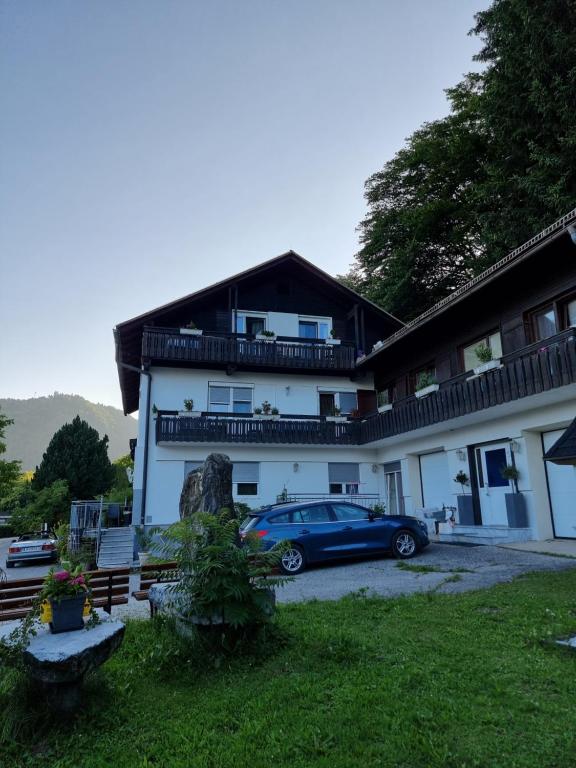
78	580
62	576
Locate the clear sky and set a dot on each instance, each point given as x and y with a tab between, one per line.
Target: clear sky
152	147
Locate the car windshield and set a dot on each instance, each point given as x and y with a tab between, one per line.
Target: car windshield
33	536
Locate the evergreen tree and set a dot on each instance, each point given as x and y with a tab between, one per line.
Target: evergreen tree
78	455
502	166
9	470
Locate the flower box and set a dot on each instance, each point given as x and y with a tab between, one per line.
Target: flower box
263	337
192	414
491	365
333	341
191	331
427	390
267	416
338	419
67	614
384	408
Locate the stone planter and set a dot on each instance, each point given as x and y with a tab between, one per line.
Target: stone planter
491	365
516	510
67	614
384	408
190	331
465	509
427	390
333	341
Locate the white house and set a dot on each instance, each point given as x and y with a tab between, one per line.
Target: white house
338	381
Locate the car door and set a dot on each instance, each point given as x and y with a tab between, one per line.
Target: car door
314	528
358	530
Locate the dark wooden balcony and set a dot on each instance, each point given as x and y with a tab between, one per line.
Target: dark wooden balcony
538	368
212	428
169	346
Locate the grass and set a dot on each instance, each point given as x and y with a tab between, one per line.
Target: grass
427	681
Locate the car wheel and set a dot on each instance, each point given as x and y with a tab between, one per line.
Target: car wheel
293	560
404	545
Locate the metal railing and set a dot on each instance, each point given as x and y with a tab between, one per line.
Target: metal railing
367	500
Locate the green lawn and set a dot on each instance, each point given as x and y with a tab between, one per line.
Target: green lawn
428	680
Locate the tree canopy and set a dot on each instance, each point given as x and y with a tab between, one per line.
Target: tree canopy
500	167
78	455
9	470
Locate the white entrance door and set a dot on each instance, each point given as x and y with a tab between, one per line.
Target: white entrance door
435	479
562	489
492	487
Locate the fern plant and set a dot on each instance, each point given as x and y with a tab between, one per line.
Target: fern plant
225	583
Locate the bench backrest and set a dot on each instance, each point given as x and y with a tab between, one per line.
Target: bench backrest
108	587
154	573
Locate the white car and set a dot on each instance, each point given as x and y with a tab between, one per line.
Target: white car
32	547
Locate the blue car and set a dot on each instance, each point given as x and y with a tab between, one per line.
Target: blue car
326	530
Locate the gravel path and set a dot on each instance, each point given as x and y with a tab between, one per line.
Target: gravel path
456	569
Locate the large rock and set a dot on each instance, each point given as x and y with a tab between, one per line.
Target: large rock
208	488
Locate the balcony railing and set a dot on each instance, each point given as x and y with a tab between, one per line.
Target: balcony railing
208	428
168	344
538	368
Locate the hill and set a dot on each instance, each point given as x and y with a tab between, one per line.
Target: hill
38	418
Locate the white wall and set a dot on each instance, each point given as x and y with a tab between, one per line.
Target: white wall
291	394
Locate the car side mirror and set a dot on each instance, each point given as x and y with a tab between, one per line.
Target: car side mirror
371	516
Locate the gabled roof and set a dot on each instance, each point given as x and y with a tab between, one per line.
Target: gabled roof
128	334
564	449
566	223
289	256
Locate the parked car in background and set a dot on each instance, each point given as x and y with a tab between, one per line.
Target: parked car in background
32	547
326	530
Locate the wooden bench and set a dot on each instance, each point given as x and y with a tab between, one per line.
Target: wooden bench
108	588
155	573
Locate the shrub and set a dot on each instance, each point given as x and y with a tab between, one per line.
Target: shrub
483	353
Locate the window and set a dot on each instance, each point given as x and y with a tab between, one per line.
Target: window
552	318
346	512
250	323
345	401
279	519
426	370
544	323
387	395
469	356
317	514
245	478
344	477
313	329
223	399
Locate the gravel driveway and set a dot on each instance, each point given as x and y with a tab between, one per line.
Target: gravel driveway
456	569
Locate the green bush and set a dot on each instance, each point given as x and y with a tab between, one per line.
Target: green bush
50	505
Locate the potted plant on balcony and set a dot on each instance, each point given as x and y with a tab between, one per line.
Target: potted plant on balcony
464	500
336	415
189	409
377	345
383	400
426	385
191	330
515	502
275	413
332	339
488	363
266	335
266	411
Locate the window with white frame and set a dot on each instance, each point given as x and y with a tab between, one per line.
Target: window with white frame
246	478
343	402
314	328
394	504
226	399
344	477
250	322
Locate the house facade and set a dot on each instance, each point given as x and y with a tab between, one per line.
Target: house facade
315	392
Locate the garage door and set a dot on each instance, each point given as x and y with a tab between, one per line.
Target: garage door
435	479
562	489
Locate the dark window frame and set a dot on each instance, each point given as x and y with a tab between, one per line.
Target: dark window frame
559	305
484	338
415	373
